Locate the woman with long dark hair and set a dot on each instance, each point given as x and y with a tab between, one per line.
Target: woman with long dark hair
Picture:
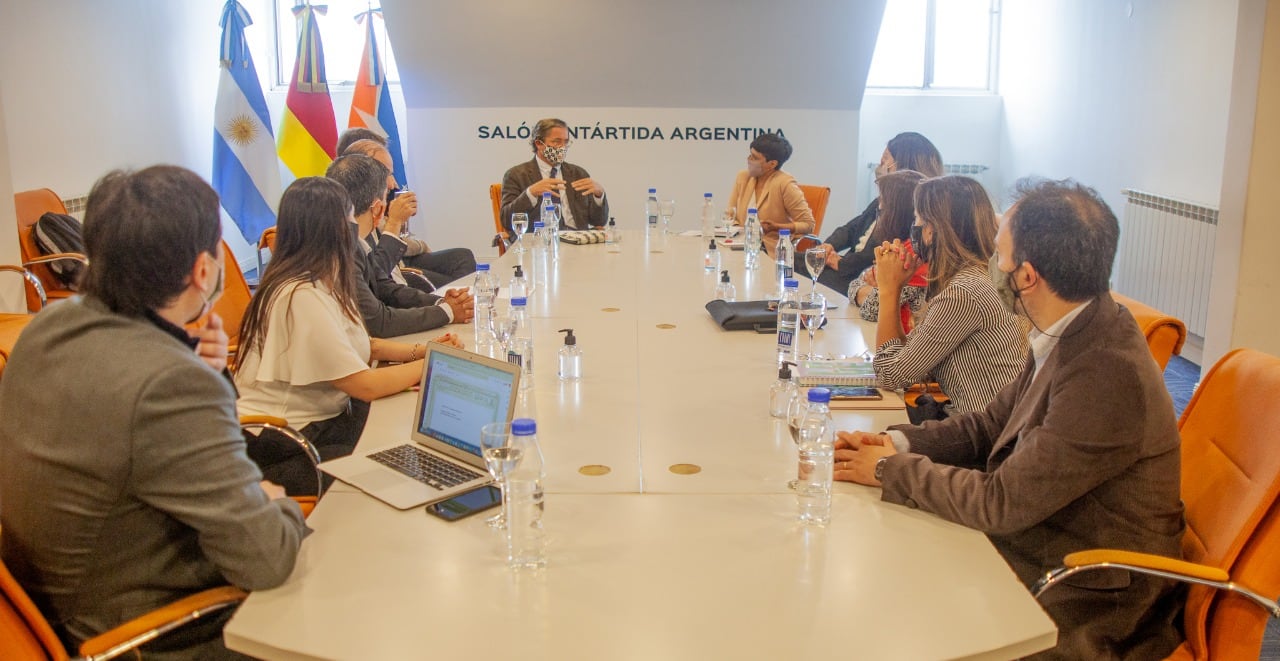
966	339
906	151
897	214
305	351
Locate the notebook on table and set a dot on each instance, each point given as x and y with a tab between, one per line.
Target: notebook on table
835	373
460	392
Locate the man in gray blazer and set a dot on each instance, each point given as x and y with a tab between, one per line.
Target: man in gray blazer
581	199
1081	451
388	307
123	473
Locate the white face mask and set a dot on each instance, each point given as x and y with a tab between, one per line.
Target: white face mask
214	294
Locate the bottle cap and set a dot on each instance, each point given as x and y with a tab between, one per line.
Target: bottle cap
751	210
569	340
707	195
784	232
481	266
612	221
524	427
653	191
724	276
519	301
784	372
820	395
519	271
791	283
546	196
711	245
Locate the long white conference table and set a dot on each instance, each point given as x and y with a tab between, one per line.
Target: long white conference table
672	534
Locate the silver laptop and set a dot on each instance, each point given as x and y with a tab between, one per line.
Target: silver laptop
460	392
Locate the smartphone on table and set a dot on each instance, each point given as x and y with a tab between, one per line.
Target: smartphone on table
467	503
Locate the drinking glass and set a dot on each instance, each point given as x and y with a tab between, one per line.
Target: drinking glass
519	223
815	259
813	312
726	220
500	456
667	209
795	415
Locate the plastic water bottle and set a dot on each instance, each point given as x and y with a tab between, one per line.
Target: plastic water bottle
785	254
817	450
548	211
486	289
782	392
752	238
725	290
553	232
520	344
711	258
519	285
651	211
708	216
570	357
522	499
788	320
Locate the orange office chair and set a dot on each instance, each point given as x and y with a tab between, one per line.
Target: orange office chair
1233	516
1165	335
26	635
30	205
260	423
266	242
12	324
501	240
817	198
234	301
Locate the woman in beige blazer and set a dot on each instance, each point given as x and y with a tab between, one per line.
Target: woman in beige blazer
773	193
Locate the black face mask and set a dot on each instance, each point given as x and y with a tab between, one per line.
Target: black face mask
923	250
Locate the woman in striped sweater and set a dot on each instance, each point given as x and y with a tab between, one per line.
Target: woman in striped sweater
965	339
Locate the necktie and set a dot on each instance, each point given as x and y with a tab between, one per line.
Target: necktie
555	171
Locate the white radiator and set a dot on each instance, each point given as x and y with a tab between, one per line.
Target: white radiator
973	170
1166	256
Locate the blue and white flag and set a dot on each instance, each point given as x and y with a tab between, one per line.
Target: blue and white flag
246	171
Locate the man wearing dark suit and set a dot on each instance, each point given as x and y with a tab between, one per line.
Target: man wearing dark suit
1081	451
388	308
579	198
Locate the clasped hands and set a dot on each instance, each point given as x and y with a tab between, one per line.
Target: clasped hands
894	265
462	304
857	453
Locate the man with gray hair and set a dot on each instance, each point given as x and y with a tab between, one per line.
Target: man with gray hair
579	198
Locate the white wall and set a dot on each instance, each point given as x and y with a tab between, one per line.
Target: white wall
1118	99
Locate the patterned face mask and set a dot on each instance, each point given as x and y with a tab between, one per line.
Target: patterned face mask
554	155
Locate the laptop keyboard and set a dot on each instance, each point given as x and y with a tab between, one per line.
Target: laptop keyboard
424	466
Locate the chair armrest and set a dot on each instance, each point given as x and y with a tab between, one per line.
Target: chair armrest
150	626
1153	565
31	280
282	426
58	256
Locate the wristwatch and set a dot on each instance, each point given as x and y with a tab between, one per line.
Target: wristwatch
880	469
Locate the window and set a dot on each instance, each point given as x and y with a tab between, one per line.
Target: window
341	36
936	44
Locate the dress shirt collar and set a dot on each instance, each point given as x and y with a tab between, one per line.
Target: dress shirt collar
1043	343
180	334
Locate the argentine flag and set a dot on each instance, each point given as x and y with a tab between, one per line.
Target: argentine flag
246	172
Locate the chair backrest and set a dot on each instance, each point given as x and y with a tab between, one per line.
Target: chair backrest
817	198
29	206
495	199
1230	477
234	301
24	633
1165	334
266	242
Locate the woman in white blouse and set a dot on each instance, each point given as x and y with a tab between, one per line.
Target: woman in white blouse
305	353
965	339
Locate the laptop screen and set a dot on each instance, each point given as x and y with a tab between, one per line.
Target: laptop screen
460	396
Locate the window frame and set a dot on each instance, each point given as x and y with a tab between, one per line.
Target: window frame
930	29
280	81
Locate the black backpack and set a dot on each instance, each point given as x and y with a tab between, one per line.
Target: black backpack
55	233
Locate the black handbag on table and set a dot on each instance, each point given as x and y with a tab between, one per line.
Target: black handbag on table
759	316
